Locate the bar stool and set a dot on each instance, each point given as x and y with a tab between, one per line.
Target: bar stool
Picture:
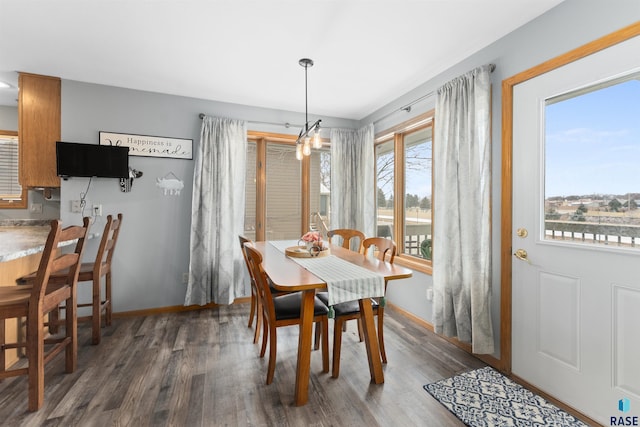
93	272
35	301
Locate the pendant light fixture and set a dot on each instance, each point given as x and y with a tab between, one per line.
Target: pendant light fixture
303	143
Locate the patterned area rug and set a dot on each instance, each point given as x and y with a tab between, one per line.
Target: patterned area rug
485	398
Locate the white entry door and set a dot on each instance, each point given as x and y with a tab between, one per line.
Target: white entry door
576	276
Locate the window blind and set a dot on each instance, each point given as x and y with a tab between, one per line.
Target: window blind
10	188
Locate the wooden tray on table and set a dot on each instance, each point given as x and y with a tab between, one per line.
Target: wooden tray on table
303	252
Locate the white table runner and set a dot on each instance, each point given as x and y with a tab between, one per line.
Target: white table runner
345	281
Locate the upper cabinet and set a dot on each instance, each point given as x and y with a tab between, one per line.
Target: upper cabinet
39	108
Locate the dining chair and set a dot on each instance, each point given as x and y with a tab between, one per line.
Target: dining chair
256	304
347	235
384	250
283	310
34	301
93	272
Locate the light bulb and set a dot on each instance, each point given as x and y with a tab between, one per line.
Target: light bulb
306	150
299	151
317	141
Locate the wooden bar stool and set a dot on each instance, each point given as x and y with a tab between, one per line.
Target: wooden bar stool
34	301
93	272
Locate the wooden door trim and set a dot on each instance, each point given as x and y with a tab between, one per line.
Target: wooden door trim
508	84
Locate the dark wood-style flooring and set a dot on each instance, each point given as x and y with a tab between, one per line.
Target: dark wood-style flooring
200	368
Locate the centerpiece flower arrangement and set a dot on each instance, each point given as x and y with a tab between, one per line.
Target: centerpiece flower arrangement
313	241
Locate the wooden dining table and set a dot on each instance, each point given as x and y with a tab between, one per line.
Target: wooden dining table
287	275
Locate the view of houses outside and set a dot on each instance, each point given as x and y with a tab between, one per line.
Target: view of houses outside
592	164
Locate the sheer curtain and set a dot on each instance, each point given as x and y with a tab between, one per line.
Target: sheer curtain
462	220
216	269
352	179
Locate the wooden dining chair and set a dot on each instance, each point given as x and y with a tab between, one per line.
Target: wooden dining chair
283	310
34	301
93	272
256	304
347	235
385	250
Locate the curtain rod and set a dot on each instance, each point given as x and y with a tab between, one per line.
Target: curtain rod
407	107
287	124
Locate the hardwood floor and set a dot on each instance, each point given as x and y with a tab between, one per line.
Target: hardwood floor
200	368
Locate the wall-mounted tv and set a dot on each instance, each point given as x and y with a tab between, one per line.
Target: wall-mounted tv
89	160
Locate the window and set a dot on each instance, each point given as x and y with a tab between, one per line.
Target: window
591	195
404	189
284	195
12	195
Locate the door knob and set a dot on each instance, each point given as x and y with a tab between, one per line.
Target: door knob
521	254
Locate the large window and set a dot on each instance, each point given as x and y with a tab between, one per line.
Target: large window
285	197
404	189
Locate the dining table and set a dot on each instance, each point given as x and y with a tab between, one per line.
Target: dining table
289	276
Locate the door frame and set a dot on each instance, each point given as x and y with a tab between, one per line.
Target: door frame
506	250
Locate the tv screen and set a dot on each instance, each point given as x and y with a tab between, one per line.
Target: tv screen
88	160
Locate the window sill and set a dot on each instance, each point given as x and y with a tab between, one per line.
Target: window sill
414	264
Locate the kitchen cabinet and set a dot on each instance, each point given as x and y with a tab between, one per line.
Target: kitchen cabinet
39	109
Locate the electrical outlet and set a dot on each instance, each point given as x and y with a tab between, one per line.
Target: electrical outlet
185	278
36	208
97	210
76	206
430	294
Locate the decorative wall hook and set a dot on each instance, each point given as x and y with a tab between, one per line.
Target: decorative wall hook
171	184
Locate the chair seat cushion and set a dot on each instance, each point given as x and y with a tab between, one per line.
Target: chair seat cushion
287	306
344	308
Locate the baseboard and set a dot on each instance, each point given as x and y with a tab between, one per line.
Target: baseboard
486	358
174	309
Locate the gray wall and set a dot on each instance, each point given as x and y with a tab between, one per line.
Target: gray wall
8	118
571	24
154	248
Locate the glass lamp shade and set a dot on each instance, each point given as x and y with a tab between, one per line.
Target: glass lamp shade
306	150
317	141
299	151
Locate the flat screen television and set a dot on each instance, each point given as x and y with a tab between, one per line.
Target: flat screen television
90	160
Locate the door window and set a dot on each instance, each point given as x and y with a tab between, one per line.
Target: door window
592	163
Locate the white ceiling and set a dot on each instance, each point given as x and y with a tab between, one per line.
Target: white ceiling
366	52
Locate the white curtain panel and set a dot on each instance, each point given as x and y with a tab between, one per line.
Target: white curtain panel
352	179
216	270
462	215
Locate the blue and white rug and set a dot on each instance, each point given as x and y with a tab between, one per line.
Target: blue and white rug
486	398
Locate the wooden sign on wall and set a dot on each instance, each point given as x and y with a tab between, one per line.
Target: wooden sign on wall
150	146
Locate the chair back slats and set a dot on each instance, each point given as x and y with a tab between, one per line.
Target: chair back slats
44	268
386	248
108	242
347	235
255	263
50	263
